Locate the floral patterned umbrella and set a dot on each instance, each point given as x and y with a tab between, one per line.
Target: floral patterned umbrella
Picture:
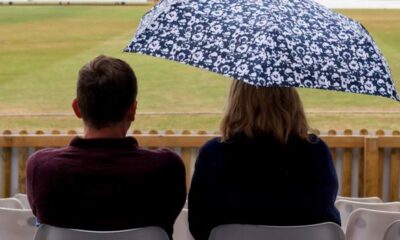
288	43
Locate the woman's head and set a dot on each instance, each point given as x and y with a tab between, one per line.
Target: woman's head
257	111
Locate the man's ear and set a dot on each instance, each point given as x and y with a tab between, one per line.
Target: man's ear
132	111
76	109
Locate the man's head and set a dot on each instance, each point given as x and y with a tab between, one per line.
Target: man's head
106	92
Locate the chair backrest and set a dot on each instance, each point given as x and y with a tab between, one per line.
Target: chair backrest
23	198
10	203
17	224
368	224
361	199
181	227
47	232
325	231
346	207
393	231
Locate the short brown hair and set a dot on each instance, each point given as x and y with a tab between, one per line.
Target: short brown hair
256	111
106	89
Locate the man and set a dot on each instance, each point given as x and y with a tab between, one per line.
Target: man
104	180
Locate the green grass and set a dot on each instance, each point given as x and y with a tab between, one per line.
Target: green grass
43	47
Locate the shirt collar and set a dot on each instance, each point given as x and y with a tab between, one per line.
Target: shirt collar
126	142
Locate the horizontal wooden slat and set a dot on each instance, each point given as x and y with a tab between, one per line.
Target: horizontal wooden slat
389	142
155	140
173	140
145	140
34	141
344	141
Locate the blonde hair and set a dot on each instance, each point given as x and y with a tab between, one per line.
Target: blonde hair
256	111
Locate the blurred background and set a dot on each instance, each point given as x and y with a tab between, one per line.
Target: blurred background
44	43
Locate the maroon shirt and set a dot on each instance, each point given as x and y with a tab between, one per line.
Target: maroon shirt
106	184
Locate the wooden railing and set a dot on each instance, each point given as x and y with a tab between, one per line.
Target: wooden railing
367	164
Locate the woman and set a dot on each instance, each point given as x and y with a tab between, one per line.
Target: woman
265	169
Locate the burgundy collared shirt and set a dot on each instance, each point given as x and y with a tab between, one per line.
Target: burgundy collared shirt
106	184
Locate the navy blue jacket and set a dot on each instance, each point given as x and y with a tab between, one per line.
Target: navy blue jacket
259	181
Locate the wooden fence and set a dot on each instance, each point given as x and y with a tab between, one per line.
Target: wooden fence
367	164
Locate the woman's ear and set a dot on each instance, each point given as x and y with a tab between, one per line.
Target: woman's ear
76	109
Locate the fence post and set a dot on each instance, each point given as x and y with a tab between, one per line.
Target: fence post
186	156
371	168
6	156
347	168
361	164
6	172
333	150
23	157
381	161
394	171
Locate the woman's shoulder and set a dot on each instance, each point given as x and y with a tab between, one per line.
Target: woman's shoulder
212	144
314	146
311	139
315	141
210	151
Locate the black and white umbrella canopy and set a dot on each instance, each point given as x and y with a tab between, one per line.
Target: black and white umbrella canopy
287	43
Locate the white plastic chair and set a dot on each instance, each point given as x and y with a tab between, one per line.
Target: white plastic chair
393	231
23	198
47	232
368	224
17	224
361	199
181	227
10	203
322	231
346	207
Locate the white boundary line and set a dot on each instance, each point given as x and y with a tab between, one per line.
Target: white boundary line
75	2
197	113
334	4
361	4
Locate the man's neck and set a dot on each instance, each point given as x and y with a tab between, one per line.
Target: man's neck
107	132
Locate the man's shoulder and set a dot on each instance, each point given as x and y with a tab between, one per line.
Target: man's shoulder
162	155
43	162
45	154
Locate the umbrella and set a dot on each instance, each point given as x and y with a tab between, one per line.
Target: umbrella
288	43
